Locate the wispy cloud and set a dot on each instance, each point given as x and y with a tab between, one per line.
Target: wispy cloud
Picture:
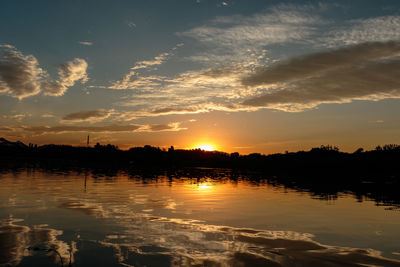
366	71
192	92
240	70
217	87
375	29
87	43
158	60
21	76
277	25
20	116
133	80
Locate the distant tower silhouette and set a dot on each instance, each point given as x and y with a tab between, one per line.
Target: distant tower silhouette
87	142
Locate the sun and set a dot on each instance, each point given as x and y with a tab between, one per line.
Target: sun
206	147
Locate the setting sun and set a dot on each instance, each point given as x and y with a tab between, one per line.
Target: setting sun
206	147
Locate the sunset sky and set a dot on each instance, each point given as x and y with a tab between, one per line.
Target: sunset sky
245	76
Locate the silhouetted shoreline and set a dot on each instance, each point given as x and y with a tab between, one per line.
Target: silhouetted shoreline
323	172
324	160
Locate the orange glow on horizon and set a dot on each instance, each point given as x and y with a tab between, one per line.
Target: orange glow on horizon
205	147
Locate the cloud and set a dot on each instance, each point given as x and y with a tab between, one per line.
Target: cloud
312	64
207	107
133	80
367	71
234	38
234	75
68	73
289	24
47	116
19	116
279	24
39	130
381	29
158	60
131	24
6	129
21	76
210	81
239	43
85	43
191	92
178	110
171	127
114	128
89	115
166	109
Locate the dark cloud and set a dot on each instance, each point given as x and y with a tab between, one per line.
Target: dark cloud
6	129
310	65
59	129
89	115
366	71
164	127
175	110
67	128
21	76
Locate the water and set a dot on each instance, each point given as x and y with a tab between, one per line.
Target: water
86	219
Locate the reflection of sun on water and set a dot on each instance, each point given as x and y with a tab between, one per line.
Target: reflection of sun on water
204	186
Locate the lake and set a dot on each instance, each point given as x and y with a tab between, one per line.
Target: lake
191	217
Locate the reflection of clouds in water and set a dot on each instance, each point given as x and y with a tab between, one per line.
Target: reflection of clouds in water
12	201
165	203
152	203
148	239
186	242
178	242
16	241
85	207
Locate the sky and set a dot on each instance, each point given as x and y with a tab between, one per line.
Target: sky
241	76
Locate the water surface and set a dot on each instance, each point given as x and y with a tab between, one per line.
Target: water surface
86	219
